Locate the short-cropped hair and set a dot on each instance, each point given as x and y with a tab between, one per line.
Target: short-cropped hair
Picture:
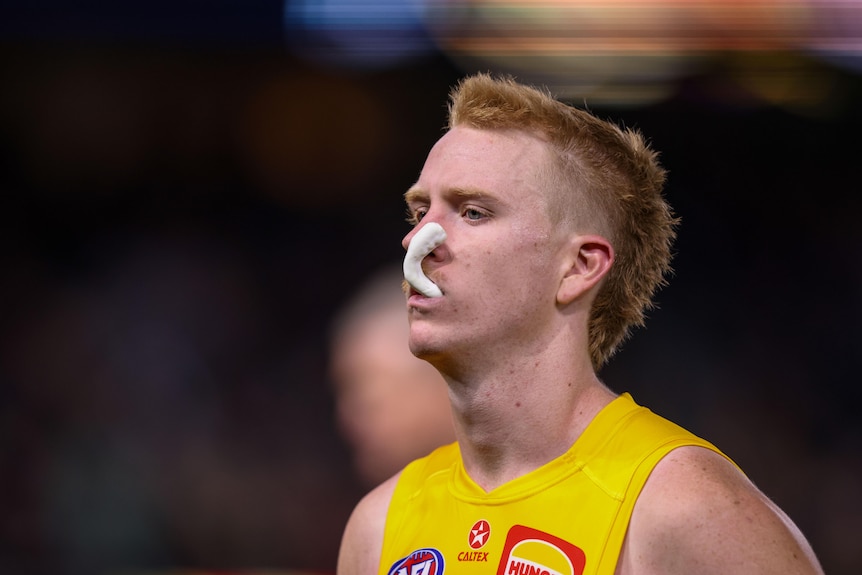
605	177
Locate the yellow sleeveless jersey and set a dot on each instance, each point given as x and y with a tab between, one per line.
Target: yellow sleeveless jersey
568	517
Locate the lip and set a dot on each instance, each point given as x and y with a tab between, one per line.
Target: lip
417	300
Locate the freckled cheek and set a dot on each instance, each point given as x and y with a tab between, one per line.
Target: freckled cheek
497	269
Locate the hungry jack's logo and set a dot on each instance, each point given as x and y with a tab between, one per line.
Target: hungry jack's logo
532	552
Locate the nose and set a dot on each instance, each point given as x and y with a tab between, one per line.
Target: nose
406	241
422	244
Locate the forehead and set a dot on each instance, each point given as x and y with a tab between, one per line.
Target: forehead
495	162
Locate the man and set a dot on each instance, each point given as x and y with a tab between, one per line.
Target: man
557	237
391	406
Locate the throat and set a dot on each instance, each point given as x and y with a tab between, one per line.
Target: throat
502	440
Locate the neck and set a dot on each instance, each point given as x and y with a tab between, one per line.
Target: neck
514	416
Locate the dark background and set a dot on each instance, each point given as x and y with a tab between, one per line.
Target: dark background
189	193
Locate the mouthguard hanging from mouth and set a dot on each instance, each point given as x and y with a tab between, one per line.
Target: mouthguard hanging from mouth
423	243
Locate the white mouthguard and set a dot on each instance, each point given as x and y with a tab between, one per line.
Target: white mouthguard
423	243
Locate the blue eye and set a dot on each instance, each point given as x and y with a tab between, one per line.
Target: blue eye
473	214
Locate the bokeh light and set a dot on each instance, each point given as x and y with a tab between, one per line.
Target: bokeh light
357	33
613	52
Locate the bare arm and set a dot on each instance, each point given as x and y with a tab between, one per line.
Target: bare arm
698	514
362	542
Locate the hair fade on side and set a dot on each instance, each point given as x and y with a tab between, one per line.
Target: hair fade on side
611	171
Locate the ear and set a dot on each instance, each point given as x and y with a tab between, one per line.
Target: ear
591	257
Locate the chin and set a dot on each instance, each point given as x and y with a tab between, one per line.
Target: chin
421	349
425	347
439	357
433	344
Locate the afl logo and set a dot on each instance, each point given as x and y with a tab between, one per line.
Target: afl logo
421	562
479	534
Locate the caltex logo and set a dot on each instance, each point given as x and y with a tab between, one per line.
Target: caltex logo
479	534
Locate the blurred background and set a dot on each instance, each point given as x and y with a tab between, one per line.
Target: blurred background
191	190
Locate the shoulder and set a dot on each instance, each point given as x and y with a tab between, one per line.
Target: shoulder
363	535
699	514
362	542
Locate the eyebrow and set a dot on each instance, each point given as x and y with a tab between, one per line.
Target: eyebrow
417	194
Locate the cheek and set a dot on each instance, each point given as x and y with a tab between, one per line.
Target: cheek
515	280
517	267
525	254
530	276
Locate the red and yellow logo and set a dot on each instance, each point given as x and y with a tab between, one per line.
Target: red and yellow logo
532	552
476	539
479	534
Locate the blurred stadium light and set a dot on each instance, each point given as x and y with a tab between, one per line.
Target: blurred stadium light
357	33
623	52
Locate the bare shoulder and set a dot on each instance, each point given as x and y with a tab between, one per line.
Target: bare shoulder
362	542
698	514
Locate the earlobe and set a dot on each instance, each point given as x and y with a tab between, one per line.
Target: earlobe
592	257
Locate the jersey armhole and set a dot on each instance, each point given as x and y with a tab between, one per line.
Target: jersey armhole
614	542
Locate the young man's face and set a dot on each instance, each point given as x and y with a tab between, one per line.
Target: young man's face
500	266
